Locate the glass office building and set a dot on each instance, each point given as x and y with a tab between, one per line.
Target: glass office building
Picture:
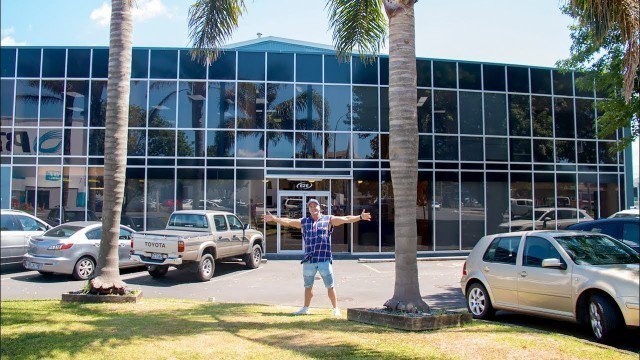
276	122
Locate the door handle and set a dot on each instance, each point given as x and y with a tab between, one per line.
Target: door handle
523	274
486	269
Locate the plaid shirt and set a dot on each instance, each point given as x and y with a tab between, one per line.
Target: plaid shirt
317	239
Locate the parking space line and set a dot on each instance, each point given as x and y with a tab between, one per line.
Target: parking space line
379	272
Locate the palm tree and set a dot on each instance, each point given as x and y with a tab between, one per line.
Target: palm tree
609	16
362	26
108	279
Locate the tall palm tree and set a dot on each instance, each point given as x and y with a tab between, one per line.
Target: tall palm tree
362	26
608	16
108	279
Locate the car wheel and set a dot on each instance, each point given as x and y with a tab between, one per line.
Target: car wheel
206	267
253	258
158	271
603	318
478	302
84	269
45	273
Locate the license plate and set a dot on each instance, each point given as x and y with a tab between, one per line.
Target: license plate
156	256
34	266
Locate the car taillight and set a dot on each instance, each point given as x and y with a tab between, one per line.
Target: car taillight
180	246
464	268
60	246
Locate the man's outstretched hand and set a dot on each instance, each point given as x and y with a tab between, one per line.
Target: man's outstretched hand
268	217
365	215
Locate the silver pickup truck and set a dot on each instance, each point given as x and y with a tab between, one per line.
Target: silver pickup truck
194	240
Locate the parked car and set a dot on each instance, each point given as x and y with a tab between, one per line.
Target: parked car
16	228
73	248
545	218
590	279
629	213
626	229
68	214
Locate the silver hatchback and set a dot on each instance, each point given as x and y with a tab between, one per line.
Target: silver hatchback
73	248
16	228
568	275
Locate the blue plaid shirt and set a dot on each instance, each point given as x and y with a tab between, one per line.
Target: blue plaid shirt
317	239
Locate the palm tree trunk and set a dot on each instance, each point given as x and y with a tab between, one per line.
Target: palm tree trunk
108	279
403	153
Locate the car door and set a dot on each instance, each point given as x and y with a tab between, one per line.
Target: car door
238	242
12	239
30	227
499	269
544	290
124	247
222	235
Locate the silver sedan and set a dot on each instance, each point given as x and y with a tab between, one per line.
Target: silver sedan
72	248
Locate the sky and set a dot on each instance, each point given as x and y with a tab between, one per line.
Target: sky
526	32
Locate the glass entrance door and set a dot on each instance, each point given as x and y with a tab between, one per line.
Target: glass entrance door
293	205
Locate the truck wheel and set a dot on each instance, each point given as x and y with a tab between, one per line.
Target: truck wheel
206	266
84	269
158	271
253	258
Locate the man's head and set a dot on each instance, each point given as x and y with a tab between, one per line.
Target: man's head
314	208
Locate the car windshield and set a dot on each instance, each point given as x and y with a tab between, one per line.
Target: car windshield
597	250
63	231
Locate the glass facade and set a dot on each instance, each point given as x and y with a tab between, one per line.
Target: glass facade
256	129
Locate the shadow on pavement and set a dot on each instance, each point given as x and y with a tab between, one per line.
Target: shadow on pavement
448	298
177	277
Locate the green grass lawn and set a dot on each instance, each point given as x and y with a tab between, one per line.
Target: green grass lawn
181	329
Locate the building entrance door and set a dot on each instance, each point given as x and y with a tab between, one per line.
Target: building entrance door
293	205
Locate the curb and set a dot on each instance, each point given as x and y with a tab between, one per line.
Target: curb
434	258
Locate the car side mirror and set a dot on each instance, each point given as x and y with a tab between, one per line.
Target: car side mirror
554	264
246	226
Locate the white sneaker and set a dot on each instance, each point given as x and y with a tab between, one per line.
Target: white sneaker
302	311
336	313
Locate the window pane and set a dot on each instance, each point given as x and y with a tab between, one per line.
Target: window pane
309	107
250	144
447	218
6	103
472	212
250	66
51	102
588	193
308	145
279	144
521	193
221	105
164	64
28	62
583	85
335	71
562	83
425	147
495	114
471	148
496	149
444	74
47	193
162	104
519	117
75	142
365	146
96	142
191	143
542	116
337	107
470	112
445	112
520	150
224	68
563	109
446	147
280	106
162	143
424	111
138	104
140	64
384	109
587	152
191	69
337	146
160	192
423	69
497	202
384	71
78	63
364	72
100	63
585	119
469	76
53	62
7	62
136	142
279	67
27	102
518	79
220	143
308	68
191	104
566	151
493	76
251	106
77	103
365	189
541	81
365	108
98	103
542	151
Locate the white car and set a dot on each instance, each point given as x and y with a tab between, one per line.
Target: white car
16	228
546	218
629	213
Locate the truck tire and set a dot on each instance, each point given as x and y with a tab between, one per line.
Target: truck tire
206	267
158	271
254	258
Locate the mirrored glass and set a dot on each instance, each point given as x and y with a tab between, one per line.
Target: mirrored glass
98	103
540	81
280	105
607	152
425	211
495	114
251	66
22	198
191	143
584	84
448	217
221	143
336	71
384	71
587	152
191	104
279	67
585	119
78	63
521	201
566	191
562	83
136	142
76	112
164	64
544	189
189	68
7	62
75	142
608	191
279	144
563	117
446	147
224	67
24	141
140	64
445	112
308	145
337	146
100	63
160	201
498	202
53	63
308	68
309	106
424	111
425	147
6	103
221	106
496	149
469	76
542	111
364	72
384	109
493	77
337	102
250	144
423	70
365	190
162	104
251	105
28	62
51	102
27	95
444	74
565	151
46	195
189	189
542	151
365	146
519	115
161	143
518	79
470	112
138	104
471	148
96	142
472	214
588	193
365	108
520	150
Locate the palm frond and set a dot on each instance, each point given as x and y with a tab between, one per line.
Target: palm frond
211	24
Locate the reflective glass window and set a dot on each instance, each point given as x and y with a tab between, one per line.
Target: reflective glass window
585	119
160	194
78	63
365	108
470	112
23	198
364	72
76	111
161	143
497	205
444	74
495	114
250	144
100	63
164	64
279	144
472	213
336	71
162	104
189	189
384	109
136	142
221	107
224	68
189	68
445	112
96	142
446	147
521	201
191	143
191	104
384	71
308	145
518	79
471	148
365	190
562	83
51	102
563	116
308	68
309	107
27	94
469	76
493	77
98	103
584	85
251	66
608	195
566	151
365	146
7	62
540	81
425	147
542	151
542	112
28	62
337	146
279	67
53	63
587	152
447	219
384	147
6	103
47	193
251	105
140	64
337	107
424	111
280	104
75	142
607	152
221	143
587	193
519	116
520	150
138	103
387	212
544	190
496	149
423	72
24	141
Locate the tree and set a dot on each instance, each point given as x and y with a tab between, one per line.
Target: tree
606	49
362	26
108	279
